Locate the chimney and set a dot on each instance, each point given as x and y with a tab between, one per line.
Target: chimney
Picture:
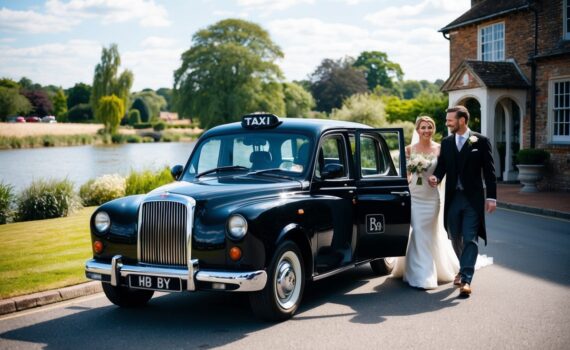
475	2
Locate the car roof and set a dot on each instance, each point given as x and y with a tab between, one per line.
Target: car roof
292	125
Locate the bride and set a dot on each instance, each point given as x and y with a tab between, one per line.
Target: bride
430	257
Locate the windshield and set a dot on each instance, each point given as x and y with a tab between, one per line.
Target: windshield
287	153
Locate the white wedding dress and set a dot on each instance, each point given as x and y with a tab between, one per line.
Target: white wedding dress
430	257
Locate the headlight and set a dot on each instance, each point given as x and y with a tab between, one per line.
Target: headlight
237	226
102	221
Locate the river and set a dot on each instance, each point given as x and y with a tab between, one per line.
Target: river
22	166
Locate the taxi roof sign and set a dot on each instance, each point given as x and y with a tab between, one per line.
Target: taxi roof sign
260	121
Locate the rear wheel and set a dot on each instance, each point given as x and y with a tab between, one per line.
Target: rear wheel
284	289
382	267
126	297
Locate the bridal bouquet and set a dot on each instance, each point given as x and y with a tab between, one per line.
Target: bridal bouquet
418	164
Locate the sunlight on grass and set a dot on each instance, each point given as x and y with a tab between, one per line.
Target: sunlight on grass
44	254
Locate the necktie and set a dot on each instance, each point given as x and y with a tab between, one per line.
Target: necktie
460	141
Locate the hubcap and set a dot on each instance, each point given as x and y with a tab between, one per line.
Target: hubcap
286	280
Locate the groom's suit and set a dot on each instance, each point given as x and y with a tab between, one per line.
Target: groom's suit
465	172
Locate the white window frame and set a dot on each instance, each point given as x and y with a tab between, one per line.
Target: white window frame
566	20
564	139
493	51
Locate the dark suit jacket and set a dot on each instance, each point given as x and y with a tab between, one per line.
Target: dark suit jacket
473	165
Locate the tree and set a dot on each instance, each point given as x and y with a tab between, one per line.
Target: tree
378	70
107	83
298	101
79	93
80	113
60	104
333	81
12	103
144	112
111	110
167	94
228	72
154	102
134	117
41	104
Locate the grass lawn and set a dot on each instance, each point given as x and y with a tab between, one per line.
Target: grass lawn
44	254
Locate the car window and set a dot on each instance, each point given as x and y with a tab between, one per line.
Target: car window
331	151
379	154
209	156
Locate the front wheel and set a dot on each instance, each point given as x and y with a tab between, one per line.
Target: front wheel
382	267
126	297
284	289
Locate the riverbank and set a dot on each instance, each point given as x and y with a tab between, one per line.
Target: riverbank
40	129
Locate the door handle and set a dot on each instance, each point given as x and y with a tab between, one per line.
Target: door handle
402	193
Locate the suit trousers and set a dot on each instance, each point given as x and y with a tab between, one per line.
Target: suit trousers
463	224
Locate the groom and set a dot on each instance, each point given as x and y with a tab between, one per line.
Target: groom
466	159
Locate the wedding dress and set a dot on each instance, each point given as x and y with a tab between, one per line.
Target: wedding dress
430	257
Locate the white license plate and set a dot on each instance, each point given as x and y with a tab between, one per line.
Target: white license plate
171	284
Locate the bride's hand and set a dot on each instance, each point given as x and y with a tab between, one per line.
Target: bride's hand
432	181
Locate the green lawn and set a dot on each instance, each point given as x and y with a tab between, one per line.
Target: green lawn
45	254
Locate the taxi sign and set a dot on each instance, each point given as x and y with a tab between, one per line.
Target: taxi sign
259	121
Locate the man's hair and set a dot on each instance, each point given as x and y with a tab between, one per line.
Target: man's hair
460	112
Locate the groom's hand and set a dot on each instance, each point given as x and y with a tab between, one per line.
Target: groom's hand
490	206
432	181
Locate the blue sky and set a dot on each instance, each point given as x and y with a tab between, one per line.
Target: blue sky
59	42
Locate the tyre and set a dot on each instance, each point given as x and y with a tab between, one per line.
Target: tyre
382	267
126	297
282	294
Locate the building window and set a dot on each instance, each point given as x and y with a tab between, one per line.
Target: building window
492	42
566	16
560	110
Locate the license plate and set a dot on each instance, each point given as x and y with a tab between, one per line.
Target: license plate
171	284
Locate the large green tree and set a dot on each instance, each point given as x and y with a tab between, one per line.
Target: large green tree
12	103
111	110
298	101
79	93
60	104
107	81
154	102
335	80
378	69
228	71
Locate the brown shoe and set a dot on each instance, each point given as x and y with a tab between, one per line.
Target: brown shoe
457	280
465	289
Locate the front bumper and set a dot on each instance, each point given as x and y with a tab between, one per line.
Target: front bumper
235	281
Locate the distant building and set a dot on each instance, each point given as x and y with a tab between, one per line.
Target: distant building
511	59
168	116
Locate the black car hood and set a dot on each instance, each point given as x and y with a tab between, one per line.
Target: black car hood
229	186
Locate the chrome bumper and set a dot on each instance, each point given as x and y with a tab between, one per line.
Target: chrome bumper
245	281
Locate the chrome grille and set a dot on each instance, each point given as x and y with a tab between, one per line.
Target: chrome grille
163	231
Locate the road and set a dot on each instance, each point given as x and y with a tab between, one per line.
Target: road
520	302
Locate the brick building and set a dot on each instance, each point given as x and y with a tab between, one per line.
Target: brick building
510	64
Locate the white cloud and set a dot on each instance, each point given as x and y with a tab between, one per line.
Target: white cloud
33	22
158	42
152	67
59	63
266	7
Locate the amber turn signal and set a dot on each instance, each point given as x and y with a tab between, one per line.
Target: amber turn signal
300	211
235	253
98	247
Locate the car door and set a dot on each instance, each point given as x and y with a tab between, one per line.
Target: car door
335	193
382	194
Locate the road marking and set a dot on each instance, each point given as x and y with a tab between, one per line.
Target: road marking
51	307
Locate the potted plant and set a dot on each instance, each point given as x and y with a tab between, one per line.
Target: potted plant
531	163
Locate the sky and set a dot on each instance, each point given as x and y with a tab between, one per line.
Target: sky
57	42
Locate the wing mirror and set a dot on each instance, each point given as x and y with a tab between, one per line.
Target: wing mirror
332	171
176	171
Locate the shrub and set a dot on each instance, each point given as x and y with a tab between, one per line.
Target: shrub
102	189
80	113
147	180
6	198
532	156
134	139
142	126
134	117
159	126
46	199
118	138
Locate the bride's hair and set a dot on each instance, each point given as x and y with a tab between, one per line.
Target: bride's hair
424	118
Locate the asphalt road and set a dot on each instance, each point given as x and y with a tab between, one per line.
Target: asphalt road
520	302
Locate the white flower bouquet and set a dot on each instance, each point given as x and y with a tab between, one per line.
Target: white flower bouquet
418	164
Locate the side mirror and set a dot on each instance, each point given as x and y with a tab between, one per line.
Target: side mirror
176	171
332	171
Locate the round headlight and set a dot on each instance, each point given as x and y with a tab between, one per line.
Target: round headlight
237	226
102	221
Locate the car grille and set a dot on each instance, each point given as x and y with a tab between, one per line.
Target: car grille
163	232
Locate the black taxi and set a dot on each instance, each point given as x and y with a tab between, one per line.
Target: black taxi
263	207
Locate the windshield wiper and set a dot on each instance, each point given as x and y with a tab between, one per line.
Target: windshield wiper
269	172
222	168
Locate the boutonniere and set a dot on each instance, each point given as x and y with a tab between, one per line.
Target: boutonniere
473	139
